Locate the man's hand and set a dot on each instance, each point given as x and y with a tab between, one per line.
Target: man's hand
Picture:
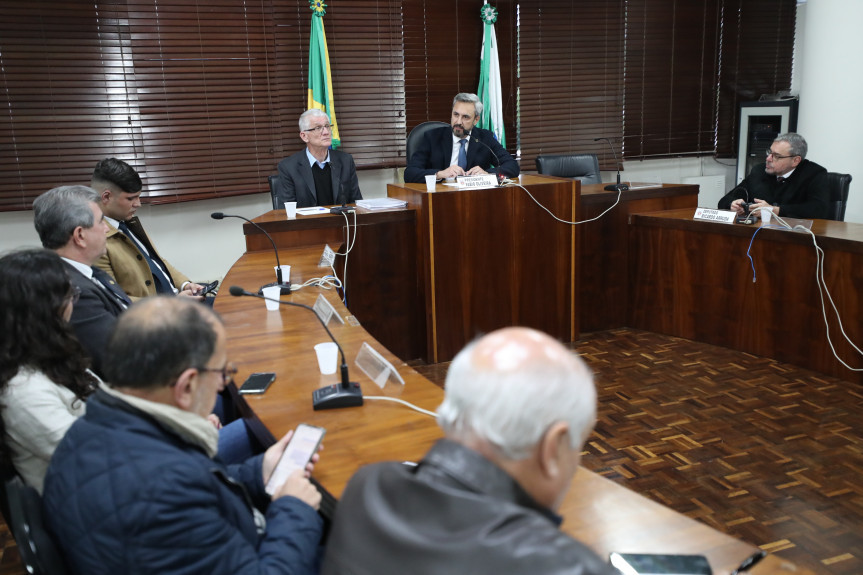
756	206
192	289
450	172
737	206
476	171
300	487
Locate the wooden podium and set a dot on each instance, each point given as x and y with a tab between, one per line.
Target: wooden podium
491	258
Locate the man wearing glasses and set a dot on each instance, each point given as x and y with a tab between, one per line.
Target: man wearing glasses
317	176
787	183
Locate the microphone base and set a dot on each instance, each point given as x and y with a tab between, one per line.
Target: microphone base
341	210
286	288
616	187
336	396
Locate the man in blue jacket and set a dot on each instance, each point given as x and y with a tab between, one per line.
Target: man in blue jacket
135	486
463	149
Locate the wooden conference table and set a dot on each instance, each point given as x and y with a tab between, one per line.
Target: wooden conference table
692	279
598	512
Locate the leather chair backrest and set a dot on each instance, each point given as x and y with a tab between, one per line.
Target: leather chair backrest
273	180
39	552
416	136
583	167
838	185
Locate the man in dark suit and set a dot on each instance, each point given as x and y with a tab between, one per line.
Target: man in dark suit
317	176
461	150
787	183
70	222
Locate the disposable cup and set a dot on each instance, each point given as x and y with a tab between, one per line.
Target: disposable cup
272	293
291	210
431	182
328	354
766	214
286	272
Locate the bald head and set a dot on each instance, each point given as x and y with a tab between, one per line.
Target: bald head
507	388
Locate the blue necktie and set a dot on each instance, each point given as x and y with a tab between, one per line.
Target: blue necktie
162	283
462	155
111	287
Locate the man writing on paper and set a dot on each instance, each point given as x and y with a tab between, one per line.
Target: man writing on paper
317	176
517	411
787	183
462	149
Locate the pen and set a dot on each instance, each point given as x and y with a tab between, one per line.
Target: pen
750	562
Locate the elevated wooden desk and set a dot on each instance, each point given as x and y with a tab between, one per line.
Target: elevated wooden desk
692	279
604	515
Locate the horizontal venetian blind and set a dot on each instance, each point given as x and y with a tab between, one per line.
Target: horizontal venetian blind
63	95
757	38
571	78
367	63
670	76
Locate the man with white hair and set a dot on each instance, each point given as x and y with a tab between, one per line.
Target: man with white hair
517	411
317	176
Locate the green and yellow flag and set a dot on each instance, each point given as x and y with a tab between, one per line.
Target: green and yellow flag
320	77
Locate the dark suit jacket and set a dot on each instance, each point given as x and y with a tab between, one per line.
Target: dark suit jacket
93	316
435	151
803	195
296	183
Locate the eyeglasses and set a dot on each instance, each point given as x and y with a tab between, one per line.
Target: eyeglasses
73	295
228	372
317	129
777	156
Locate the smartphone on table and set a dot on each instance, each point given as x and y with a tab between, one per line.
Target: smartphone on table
257	383
298	453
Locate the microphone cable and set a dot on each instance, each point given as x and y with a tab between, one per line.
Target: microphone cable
608	209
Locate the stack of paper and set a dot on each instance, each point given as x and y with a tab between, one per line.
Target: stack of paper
381	204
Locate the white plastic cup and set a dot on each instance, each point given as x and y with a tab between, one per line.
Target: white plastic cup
431	183
328	354
286	272
291	210
272	293
766	214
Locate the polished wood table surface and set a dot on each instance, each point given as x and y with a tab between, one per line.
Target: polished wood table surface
604	515
693	279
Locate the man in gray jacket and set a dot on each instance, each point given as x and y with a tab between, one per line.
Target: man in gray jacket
518	409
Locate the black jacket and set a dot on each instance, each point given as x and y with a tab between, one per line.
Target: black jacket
456	512
803	195
435	152
297	184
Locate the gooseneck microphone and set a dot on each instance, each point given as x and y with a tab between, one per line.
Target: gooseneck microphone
344	394
286	286
500	175
618	187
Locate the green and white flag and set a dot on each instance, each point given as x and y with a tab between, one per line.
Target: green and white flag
489	78
320	77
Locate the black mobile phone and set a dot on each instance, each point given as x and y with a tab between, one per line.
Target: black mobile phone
297	455
209	287
652	564
257	383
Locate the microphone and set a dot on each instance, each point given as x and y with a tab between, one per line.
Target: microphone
344	208
618	187
500	175
286	286
344	394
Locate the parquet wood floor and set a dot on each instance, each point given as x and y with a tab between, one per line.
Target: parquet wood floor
762	450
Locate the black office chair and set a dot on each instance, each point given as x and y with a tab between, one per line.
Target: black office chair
838	185
583	167
273	180
416	136
39	553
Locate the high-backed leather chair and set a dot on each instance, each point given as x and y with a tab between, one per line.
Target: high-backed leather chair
838	185
583	167
39	553
273	180
416	136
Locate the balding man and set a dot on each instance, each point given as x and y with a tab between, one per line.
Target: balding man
517	411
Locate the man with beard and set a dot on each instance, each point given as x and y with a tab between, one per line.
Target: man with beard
461	150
